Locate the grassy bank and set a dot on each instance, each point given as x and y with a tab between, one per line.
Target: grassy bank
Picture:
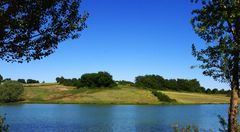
54	93
197	98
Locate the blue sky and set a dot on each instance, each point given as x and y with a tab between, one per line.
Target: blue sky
126	38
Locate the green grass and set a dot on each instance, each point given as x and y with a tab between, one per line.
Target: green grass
197	98
54	93
64	94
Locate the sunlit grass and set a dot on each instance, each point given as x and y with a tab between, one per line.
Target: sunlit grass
55	93
197	98
64	94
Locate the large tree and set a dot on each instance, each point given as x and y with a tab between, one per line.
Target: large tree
218	23
32	29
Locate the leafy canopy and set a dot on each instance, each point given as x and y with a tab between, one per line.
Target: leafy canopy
218	23
32	29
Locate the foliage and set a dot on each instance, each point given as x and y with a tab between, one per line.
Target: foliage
29	81
223	124
90	80
216	91
150	81
3	126
31	30
10	91
217	22
158	82
188	128
163	97
1	78
21	81
7	79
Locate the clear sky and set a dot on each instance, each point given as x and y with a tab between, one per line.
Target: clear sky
126	38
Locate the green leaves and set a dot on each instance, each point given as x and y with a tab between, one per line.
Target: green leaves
217	22
32	30
10	91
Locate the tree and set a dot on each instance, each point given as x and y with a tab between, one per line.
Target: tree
100	79
218	23
7	79
31	30
21	80
10	91
1	78
29	81
150	81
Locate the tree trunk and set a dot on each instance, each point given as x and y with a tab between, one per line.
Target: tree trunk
233	110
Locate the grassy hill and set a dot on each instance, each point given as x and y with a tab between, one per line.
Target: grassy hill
55	93
197	98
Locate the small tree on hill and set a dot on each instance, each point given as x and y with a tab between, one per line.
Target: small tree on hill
21	80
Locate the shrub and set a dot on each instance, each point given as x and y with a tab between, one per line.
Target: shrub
29	81
7	79
1	78
100	79
162	97
10	91
3	126
187	128
159	83
150	81
21	81
90	80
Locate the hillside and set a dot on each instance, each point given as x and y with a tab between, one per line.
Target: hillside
54	93
197	98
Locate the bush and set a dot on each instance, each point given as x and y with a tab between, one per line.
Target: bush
21	81
3	126
29	81
7	79
1	78
163	97
159	83
10	91
187	128
150	81
90	80
100	79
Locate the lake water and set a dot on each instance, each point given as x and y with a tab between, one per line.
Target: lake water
108	118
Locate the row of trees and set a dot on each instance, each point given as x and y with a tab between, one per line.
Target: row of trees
104	79
216	91
159	83
28	81
90	80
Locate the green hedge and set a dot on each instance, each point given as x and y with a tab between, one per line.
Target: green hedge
163	97
10	91
89	80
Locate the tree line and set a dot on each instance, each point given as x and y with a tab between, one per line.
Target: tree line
159	83
28	81
90	80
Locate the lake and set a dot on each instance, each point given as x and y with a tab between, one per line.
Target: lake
108	118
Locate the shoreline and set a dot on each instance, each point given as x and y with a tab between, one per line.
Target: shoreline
159	104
